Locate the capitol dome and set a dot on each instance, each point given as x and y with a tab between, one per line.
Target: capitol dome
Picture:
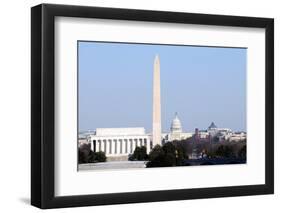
176	125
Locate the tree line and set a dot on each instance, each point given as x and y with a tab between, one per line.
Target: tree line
171	153
86	155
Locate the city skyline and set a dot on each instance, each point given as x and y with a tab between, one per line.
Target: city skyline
200	91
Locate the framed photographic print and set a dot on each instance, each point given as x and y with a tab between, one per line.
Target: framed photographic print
141	106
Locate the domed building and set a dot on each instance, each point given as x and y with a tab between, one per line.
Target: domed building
176	125
176	132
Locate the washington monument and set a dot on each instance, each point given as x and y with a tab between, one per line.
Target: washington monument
156	123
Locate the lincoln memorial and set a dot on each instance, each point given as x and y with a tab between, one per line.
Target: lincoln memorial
119	141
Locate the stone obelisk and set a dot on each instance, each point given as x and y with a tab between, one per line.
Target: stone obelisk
156	123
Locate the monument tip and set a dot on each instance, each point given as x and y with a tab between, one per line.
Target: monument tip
156	57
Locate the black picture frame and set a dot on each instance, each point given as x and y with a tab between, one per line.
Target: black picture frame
43	110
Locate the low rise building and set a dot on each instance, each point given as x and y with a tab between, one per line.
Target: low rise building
119	141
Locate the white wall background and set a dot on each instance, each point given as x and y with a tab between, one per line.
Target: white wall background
15	105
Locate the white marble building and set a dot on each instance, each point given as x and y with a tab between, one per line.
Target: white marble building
176	132
119	141
238	136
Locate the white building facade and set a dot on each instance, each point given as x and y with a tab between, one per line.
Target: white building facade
119	141
176	133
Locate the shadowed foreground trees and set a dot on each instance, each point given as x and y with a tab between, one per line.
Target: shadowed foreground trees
173	153
167	155
91	157
139	154
176	153
243	152
86	155
227	151
224	151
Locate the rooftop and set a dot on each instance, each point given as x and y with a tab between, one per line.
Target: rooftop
212	126
120	131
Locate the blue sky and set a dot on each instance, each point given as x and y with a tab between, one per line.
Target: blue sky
202	84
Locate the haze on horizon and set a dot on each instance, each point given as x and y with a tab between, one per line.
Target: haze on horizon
201	84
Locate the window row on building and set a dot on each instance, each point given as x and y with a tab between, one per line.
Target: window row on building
117	146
